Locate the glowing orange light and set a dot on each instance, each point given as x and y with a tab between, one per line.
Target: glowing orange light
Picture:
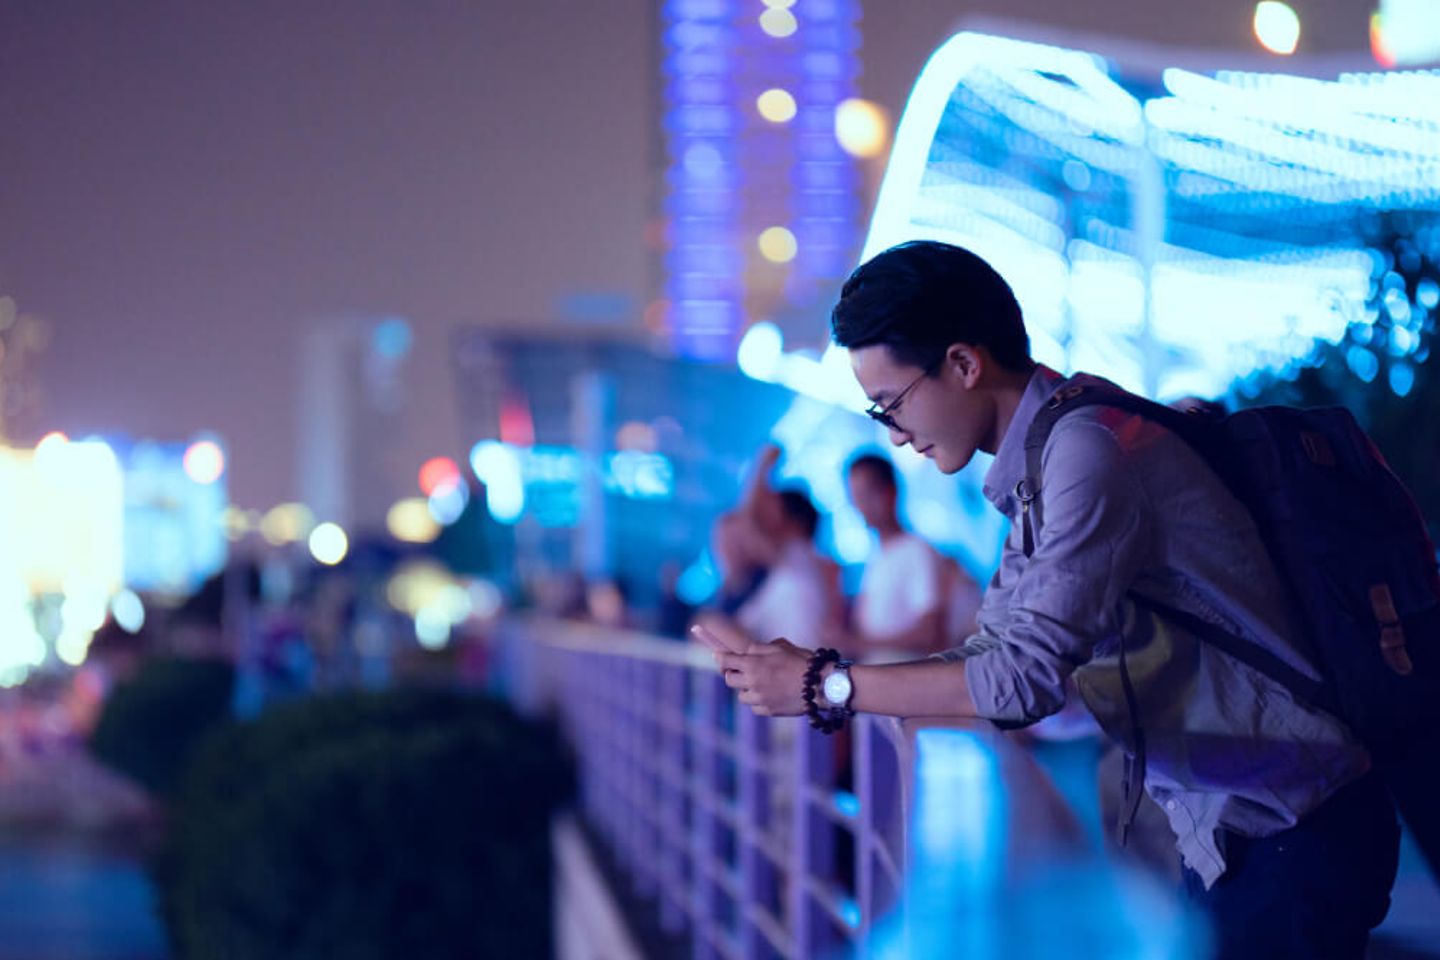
438	472
1379	46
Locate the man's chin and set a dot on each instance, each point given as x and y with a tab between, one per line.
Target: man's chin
948	464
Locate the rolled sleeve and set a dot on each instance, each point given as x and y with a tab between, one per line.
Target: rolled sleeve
1057	606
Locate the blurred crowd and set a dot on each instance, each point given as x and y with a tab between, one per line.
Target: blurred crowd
775	582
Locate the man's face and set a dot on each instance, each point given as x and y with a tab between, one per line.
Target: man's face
872	496
942	417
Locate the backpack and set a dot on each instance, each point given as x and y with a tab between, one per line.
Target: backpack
1353	552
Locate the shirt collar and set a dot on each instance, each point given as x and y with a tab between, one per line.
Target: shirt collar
1008	467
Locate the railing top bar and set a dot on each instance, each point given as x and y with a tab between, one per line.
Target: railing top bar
611	641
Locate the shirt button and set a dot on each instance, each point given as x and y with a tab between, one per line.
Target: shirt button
1170	804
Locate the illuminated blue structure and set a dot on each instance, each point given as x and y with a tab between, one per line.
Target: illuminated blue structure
734	174
1170	230
174	537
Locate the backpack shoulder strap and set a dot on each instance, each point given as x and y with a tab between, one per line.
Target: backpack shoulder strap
1078	392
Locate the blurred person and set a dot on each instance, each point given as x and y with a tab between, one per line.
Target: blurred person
912	598
1288	837
605	603
673	614
775	530
742	558
801	592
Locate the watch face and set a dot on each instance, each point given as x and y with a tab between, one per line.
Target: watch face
837	688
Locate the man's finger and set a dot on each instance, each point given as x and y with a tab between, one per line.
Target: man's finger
708	639
731	661
734	680
720	636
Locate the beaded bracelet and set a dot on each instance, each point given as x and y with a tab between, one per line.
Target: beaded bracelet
830	719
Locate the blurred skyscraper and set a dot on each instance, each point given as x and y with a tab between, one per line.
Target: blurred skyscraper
761	211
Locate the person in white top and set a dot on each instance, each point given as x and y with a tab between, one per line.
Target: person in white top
912	599
801	591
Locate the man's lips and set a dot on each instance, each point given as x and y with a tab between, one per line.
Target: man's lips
925	451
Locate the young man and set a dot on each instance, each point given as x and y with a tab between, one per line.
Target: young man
912	599
1289	842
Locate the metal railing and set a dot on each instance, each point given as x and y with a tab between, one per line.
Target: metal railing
758	837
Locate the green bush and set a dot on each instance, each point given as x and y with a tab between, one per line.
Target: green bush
397	825
151	724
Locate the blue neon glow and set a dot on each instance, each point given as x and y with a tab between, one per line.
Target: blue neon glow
497	465
699	581
1169	243
546	480
392	338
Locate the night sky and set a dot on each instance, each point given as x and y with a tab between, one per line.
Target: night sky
185	186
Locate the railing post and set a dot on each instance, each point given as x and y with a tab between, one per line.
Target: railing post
880	827
705	787
612	674
638	697
812	841
647	709
757	873
670	755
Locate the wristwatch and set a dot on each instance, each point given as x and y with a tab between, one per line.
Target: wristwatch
837	688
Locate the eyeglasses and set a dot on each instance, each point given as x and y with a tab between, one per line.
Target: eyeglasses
885	415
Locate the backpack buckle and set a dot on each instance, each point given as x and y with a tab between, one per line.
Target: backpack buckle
1064	395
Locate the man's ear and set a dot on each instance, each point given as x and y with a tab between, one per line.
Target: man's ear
968	361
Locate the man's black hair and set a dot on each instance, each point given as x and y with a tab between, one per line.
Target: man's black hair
879	467
801	511
920	297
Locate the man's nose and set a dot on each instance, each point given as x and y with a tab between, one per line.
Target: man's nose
899	437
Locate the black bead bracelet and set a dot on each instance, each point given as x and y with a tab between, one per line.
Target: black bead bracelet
829	719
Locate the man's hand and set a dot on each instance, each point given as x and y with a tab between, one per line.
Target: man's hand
769	677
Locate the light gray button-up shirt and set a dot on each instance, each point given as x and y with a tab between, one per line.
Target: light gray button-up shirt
1127	506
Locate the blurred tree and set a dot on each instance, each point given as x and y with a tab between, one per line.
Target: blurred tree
1381	368
412	823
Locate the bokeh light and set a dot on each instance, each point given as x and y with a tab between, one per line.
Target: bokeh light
438	472
236	522
498	467
760	351
409	521
448	502
286	523
72	647
128	610
776	105
204	461
778	22
392	338
329	544
861	127
777	245
1277	27
432	628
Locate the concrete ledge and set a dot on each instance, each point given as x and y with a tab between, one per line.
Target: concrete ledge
588	921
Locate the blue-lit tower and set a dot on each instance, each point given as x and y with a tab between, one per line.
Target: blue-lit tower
760	211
